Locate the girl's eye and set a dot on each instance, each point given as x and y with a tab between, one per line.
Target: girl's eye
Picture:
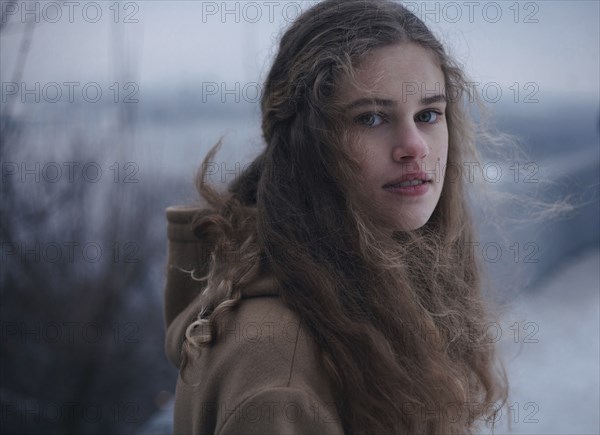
430	116
370	120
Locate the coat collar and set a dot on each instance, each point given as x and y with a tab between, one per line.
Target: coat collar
182	241
182	298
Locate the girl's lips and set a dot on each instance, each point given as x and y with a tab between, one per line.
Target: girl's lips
419	189
410	176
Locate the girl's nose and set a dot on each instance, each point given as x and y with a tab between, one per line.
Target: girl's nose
409	143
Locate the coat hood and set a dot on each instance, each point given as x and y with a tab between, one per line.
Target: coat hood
189	253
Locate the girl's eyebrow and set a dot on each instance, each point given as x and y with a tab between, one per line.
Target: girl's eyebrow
370	102
438	98
389	103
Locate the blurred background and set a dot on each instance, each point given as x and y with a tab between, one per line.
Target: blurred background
107	109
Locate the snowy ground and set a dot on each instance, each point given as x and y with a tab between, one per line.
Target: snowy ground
554	364
551	346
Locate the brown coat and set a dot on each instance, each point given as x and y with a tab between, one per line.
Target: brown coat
262	376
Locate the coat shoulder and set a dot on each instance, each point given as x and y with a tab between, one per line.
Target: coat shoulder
262	352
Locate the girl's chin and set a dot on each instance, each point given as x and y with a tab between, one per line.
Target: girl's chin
410	223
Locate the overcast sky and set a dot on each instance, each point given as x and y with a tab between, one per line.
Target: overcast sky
554	44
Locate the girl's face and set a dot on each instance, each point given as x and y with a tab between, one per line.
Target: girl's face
394	109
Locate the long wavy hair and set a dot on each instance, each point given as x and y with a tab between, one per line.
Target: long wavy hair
399	320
